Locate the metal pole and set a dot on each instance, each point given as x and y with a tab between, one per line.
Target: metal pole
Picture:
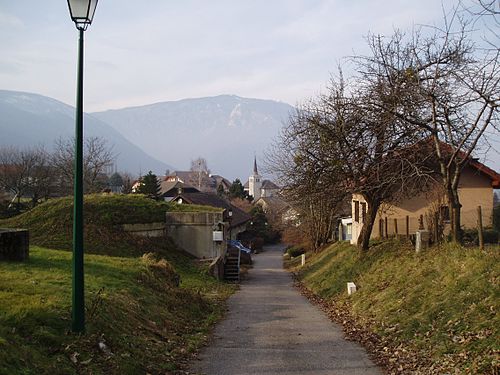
78	301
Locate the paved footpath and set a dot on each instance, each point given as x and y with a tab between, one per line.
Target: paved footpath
271	328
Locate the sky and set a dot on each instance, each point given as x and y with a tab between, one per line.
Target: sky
143	52
139	53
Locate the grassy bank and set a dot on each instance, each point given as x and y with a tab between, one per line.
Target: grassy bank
439	307
50	224
138	319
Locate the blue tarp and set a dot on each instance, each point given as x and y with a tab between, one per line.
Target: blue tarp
239	245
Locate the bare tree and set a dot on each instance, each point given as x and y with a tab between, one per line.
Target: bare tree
97	158
200	167
485	15
342	143
128	182
312	182
443	85
25	173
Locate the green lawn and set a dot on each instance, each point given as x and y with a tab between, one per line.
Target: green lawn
148	324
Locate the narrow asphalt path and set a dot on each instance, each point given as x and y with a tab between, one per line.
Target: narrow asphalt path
271	328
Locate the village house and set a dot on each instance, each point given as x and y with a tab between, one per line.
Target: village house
202	181
278	211
475	189
170	189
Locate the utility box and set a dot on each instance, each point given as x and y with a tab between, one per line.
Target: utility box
421	240
351	288
218	235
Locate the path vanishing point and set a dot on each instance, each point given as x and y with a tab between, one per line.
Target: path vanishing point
271	328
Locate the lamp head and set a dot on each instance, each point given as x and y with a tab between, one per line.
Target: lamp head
82	12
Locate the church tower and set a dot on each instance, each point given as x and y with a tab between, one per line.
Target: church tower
254	182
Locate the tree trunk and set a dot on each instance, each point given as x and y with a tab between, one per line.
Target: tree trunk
456	233
451	188
369	220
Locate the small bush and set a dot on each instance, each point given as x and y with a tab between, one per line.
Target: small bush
295	251
159	272
471	237
496	218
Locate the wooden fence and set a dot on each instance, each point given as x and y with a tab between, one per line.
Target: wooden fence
404	227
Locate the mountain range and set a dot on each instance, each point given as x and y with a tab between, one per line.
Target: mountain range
226	130
28	119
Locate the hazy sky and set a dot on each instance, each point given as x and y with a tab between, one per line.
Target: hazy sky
139	52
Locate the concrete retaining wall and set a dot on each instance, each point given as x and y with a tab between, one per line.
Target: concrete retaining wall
145	230
193	232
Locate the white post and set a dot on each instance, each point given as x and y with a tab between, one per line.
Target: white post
303	261
351	288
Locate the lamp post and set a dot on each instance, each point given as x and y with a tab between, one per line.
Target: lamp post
82	13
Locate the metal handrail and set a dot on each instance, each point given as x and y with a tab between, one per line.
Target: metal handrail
239	258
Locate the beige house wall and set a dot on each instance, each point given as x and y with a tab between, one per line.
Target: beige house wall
357	220
474	190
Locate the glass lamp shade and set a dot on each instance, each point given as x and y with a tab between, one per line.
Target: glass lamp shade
82	12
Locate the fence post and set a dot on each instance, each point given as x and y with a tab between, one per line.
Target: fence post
381	228
436	227
396	226
386	231
303	259
407	226
421	222
480	228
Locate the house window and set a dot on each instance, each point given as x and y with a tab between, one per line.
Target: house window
363	211
356	211
445	213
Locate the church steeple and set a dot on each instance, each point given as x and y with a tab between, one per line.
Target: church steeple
254	182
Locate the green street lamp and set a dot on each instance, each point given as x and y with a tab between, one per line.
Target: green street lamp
82	13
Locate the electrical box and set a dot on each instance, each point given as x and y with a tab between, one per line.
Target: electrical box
218	235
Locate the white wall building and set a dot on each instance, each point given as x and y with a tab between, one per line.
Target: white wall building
259	188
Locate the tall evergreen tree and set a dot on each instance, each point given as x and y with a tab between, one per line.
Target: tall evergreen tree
236	190
150	186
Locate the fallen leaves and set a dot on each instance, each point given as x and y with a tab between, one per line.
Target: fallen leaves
398	357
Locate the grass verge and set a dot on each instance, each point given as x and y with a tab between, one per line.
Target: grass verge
50	224
432	313
138	321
